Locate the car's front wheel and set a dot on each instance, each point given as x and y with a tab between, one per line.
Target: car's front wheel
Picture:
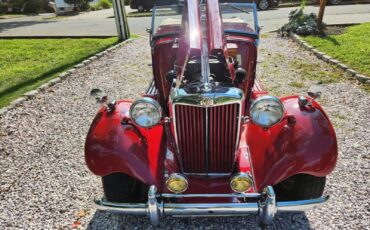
119	187
331	2
335	2
263	4
300	187
140	8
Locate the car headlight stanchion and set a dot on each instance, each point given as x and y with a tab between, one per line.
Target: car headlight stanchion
266	111
146	112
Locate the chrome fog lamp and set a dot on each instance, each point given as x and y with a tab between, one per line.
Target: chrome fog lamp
241	182
146	112
266	111
177	183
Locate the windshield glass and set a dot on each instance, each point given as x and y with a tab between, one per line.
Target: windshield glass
166	19
236	17
240	18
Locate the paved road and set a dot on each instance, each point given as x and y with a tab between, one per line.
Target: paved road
101	23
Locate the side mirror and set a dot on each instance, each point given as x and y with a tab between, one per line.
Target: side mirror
99	96
315	91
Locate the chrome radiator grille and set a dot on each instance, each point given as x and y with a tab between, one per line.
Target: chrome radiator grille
207	137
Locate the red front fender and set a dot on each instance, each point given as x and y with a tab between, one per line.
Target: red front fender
307	145
112	146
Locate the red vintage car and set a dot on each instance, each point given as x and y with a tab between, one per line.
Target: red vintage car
207	138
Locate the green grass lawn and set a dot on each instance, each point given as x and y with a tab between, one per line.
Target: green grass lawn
9	16
352	47
139	14
25	64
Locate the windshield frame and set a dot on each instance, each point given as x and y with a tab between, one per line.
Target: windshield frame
253	6
155	8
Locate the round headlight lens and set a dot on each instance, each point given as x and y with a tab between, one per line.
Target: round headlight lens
146	112
177	183
266	111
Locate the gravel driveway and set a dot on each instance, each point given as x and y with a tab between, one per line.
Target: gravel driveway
44	183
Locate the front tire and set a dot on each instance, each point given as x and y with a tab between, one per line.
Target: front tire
300	187
140	8
335	2
119	187
263	4
331	2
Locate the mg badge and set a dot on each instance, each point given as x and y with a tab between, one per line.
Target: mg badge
206	101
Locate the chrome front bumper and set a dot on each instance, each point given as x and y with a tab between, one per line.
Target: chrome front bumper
266	207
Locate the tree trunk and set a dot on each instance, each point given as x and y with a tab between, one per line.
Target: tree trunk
321	14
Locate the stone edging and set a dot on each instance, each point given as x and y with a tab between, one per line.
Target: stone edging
320	55
31	94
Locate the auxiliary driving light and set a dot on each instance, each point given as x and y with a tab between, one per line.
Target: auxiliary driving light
177	183
241	182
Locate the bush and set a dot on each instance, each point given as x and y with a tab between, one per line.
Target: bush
75	2
17	5
300	23
31	7
84	6
105	4
101	4
3	8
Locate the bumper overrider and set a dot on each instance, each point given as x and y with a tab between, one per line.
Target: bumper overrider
266	207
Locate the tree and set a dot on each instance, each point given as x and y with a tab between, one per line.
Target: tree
321	14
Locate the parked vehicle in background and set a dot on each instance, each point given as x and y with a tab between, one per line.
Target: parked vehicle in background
333	2
61	7
266	4
207	139
261	4
141	5
147	5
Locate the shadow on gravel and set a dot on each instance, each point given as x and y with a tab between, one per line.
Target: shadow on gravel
105	220
4	26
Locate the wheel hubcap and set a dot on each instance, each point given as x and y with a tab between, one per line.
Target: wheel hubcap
335	2
263	4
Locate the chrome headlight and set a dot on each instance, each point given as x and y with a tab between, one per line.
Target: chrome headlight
266	111
146	112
